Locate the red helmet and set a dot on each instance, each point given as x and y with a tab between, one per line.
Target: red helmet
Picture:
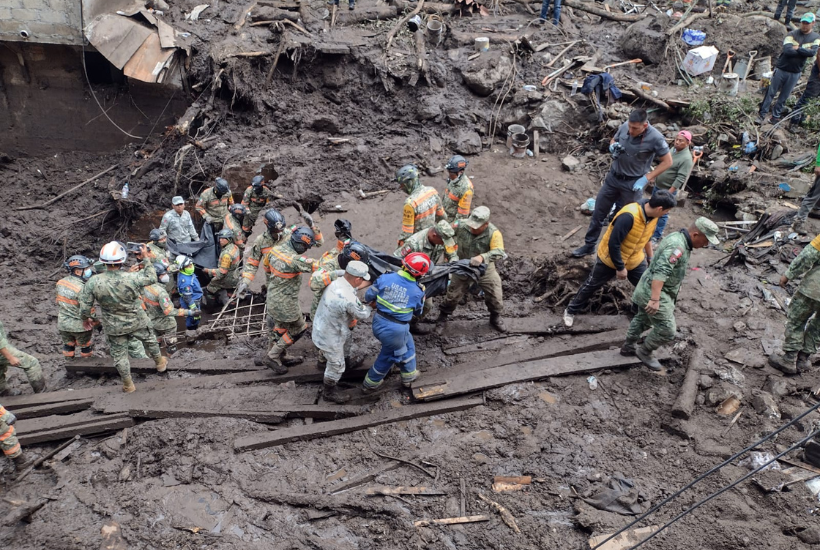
417	264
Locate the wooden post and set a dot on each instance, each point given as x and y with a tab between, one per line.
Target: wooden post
685	403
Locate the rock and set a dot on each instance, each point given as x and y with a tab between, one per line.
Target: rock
646	40
161	5
777	386
549	116
705	381
570	163
740	326
764	404
746	357
466	142
485	73
613	124
481	458
660	127
720	393
428	108
730	374
125	473
809	535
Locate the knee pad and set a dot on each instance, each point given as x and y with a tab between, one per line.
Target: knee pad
68	351
86	351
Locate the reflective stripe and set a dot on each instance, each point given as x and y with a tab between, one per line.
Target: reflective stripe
353	323
283	334
69	301
391	307
421	198
452	197
3	410
150	302
426	213
70	286
13	451
281	275
326	278
267	249
282	257
254	263
8	434
407	229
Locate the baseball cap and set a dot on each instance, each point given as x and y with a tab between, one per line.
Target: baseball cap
358	269
687	134
479	217
807	18
177	200
446	232
708	228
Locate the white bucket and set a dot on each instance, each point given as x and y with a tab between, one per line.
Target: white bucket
729	84
482	44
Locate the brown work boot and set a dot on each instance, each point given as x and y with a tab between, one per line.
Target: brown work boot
128	385
785	362
39	385
22	461
628	349
274	363
331	393
497	322
803	361
291	360
162	364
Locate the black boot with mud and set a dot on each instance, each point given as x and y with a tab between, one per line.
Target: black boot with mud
22	461
785	362
497	322
584	250
648	359
275	364
628	349
417	327
291	360
332	394
803	361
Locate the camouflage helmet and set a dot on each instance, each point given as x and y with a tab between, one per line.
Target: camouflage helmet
408	177
225	234
302	239
456	164
157	234
238	210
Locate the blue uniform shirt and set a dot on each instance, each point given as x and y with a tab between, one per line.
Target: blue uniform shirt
397	294
188	285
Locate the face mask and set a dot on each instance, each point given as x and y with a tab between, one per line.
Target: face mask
187	270
258	190
164	278
87	273
160	244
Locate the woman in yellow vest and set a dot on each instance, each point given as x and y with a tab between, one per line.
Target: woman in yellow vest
625	250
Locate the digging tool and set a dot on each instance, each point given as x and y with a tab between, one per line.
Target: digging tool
729	55
369	194
752	55
631	61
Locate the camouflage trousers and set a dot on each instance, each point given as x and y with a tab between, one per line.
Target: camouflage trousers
490	283
250	218
30	365
73	339
802	325
136	349
282	335
662	325
8	440
119	348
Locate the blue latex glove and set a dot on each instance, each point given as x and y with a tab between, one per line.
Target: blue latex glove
612	147
640	183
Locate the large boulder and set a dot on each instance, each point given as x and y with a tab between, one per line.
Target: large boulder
485	73
645	40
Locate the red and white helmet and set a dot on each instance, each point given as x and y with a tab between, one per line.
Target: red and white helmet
417	264
113	253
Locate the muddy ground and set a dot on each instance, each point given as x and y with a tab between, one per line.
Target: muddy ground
173	476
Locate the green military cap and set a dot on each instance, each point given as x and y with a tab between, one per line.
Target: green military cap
446	232
708	228
478	217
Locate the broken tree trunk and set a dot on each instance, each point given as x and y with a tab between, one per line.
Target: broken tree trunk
646	97
336	427
591	8
479	380
429	7
374	13
685	403
276	415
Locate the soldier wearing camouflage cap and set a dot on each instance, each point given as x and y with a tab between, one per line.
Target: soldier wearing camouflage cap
657	291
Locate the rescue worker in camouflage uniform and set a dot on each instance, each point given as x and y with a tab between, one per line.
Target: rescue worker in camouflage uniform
322	278
339	311
276	234
422	209
13	357
177	223
158	245
459	193
803	317
657	291
225	276
343	232
123	317
436	242
233	221
213	203
69	323
256	198
482	242
286	322
9	443
161	310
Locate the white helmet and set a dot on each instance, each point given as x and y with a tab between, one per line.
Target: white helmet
113	253
183	261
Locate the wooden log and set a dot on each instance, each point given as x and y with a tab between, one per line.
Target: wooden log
429	7
474	381
64	193
685	403
272	15
521	480
336	427
590	8
103	365
56	422
36	463
686	22
65	407
276	416
646	97
363	14
422	491
96	428
451	521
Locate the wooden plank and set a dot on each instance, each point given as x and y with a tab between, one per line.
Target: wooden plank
545	324
65	407
167	35
422	491
336	427
479	380
95	428
800	464
104	365
56	422
685	402
625	540
451	521
276	416
520	480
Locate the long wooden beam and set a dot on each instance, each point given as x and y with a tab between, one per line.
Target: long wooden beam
95	428
277	414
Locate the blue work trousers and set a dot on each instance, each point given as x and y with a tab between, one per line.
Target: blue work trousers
662	221
398	348
186	302
783	82
556	10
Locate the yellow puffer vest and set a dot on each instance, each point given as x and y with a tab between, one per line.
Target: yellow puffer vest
632	246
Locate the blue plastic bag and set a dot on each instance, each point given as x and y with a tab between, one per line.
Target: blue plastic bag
694	37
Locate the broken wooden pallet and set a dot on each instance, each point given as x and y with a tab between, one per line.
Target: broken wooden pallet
276	415
473	380
94	428
104	365
336	427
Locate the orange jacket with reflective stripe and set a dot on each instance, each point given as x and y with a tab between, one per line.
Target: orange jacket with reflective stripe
422	209
632	247
458	198
230	222
68	304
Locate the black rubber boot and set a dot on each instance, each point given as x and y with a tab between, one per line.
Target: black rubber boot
275	364
22	461
585	250
628	349
803	361
417	328
39	386
331	393
648	359
497	322
291	360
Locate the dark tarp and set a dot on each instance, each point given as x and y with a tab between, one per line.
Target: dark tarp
204	252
